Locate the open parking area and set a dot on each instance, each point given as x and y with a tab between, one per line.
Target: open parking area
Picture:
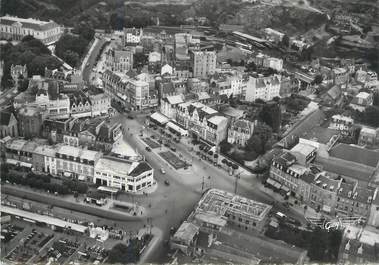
172	159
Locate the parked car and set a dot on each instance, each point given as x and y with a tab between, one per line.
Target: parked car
167	182
148	149
152	137
130	117
173	149
163	171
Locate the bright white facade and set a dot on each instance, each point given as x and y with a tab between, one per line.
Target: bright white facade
265	88
16	28
132	35
123	175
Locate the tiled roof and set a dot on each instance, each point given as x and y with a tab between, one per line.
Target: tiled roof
139	169
28	23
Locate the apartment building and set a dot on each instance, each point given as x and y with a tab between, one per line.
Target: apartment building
340	76
265	88
267	61
76	162
119	60
204	63
100	102
361	101
132	36
15	28
129	90
123	175
229	84
30	121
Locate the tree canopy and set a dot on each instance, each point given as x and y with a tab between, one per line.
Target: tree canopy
30	52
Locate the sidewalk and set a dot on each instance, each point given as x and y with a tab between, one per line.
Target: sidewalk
153	244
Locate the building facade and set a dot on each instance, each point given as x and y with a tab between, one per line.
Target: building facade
265	88
16	28
204	63
240	131
123	175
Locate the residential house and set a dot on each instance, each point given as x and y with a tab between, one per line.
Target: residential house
100	102
169	105
368	136
332	96
340	76
361	101
240	131
265	88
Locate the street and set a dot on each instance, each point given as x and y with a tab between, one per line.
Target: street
92	60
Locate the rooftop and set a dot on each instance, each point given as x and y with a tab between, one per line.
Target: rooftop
217	119
304	149
220	202
186	232
117	166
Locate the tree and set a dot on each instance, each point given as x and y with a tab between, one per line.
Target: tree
318	79
85	31
271	115
285	41
139	60
255	144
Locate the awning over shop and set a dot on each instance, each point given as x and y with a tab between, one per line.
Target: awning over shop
326	208
159	118
273	183
176	128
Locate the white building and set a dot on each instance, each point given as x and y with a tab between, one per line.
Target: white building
101	103
132	36
48	154
265	88
204	63
76	162
361	101
123	175
230	84
169	105
56	104
274	35
16	28
342	123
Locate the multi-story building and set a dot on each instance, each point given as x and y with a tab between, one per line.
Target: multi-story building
290	168
267	61
20	152
8	124
202	121
324	190
265	88
44	159
30	121
76	162
361	101
119	60
353	200
55	104
169	105
124	175
240	131
204	63
129	90
155	60
16	28
368	136
274	35
218	208
340	76
132	36
229	84
100	102
80	105
342	123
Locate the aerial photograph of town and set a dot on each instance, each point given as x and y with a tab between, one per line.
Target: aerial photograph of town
189	132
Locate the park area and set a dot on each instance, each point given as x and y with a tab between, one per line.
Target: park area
172	159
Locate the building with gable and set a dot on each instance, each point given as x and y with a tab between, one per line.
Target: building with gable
265	88
240	131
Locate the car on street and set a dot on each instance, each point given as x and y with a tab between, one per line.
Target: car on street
167	182
130	117
173	149
163	171
148	149
167	145
160	141
152	137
